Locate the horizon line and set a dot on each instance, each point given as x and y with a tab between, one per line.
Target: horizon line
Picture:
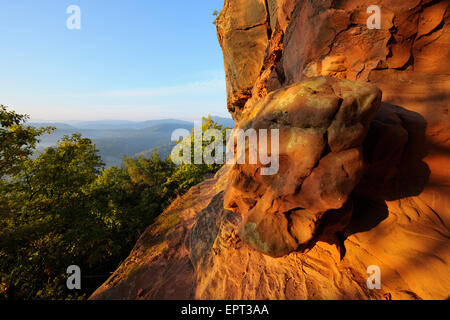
124	120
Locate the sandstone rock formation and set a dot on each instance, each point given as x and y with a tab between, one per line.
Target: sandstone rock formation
397	216
322	123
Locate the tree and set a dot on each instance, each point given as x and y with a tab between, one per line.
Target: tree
130	198
48	225
17	141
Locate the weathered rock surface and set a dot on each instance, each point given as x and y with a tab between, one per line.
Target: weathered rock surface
242	25
322	123
405	58
397	216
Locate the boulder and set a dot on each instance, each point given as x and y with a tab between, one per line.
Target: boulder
397	217
322	123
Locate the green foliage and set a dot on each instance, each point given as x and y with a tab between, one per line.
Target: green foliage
17	142
62	208
48	225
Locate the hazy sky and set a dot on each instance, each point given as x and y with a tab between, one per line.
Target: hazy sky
131	60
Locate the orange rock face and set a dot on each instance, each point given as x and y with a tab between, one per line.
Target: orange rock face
322	123
373	191
242	25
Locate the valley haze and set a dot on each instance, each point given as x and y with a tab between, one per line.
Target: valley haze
117	138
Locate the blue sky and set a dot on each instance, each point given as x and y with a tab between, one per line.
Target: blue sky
131	60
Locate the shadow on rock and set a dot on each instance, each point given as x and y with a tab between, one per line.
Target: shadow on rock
393	150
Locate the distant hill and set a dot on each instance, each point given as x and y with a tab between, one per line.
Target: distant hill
115	138
58	125
120	124
112	148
